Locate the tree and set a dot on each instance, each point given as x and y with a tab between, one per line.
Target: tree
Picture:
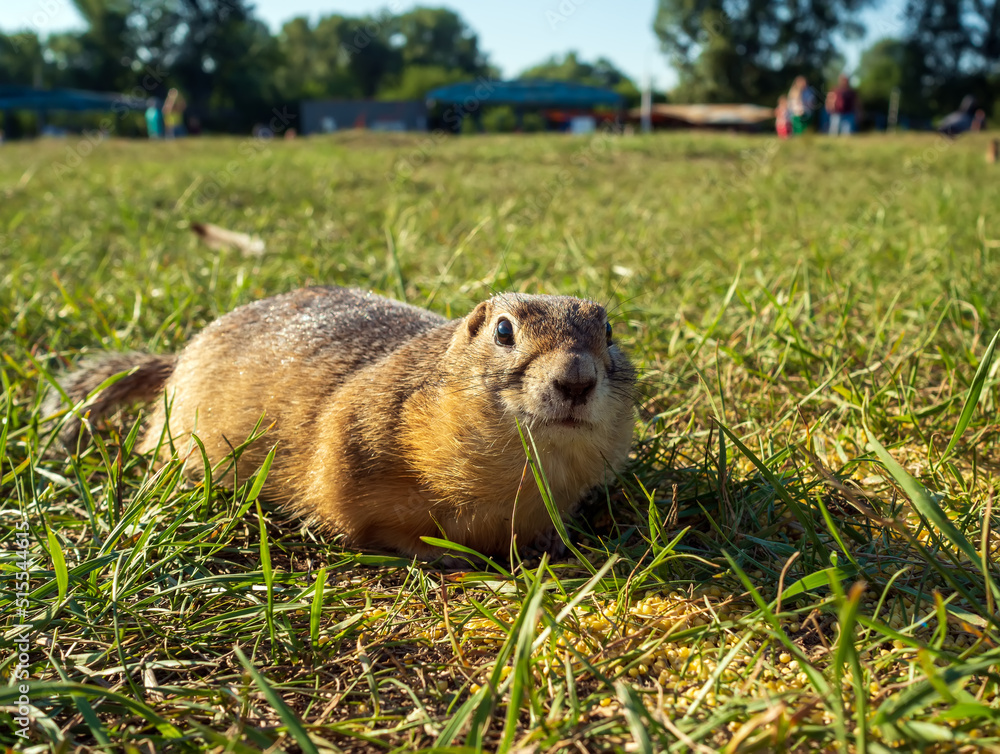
214	51
373	60
954	50
21	58
312	64
100	57
956	37
436	37
891	64
21	62
602	73
417	80
750	51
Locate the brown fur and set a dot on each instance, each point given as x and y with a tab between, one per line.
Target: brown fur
393	423
147	374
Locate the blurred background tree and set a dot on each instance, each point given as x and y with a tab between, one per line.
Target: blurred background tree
601	72
750	51
953	50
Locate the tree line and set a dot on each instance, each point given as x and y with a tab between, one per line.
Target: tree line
233	70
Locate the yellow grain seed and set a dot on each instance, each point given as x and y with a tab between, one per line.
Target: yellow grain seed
784	658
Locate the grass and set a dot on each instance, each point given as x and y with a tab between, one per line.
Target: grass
800	557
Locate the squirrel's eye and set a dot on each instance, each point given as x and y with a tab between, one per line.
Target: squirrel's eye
505	333
607	331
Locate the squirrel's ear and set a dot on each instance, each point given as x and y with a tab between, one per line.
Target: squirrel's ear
476	319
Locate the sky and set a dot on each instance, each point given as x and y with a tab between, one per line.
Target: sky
516	34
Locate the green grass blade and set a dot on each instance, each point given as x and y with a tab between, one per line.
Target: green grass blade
846	654
635	713
922	500
265	565
794	506
44	690
521	676
258	482
531	451
207	482
58	562
817	579
972	399
287	715
447	544
316	611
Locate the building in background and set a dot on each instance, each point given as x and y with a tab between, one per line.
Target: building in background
327	116
564	105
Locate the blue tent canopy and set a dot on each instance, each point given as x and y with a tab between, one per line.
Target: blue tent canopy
525	93
14	97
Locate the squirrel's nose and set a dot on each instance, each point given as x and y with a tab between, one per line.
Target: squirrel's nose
576	391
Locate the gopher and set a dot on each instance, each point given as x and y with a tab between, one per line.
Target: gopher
391	422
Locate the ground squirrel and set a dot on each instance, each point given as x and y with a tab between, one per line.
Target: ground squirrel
392	422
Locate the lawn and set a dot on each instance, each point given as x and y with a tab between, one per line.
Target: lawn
801	555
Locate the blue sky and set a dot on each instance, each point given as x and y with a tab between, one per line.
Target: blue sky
515	33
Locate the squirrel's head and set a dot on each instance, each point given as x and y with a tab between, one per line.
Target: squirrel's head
552	362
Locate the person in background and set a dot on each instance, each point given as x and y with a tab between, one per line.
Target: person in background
173	114
842	105
154	119
967	118
782	118
801	104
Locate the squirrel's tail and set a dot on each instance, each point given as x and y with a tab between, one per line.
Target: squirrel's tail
147	375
